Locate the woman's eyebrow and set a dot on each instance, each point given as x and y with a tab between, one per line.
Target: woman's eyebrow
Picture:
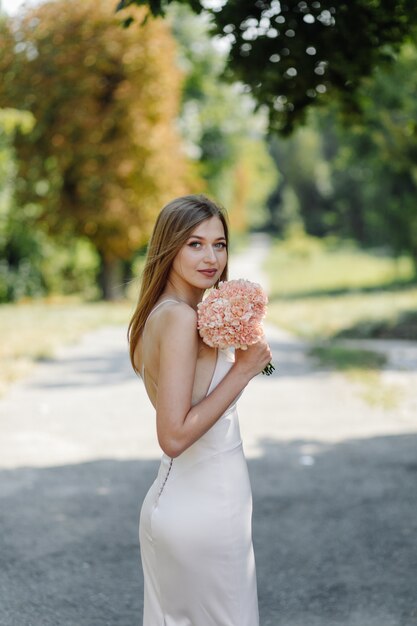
198	237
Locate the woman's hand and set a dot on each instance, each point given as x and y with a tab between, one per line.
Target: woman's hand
253	360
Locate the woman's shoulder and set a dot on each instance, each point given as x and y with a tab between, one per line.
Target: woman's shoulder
175	314
175	328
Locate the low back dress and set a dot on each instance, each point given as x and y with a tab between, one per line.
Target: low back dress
195	529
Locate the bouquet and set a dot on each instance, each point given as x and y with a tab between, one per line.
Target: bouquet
231	316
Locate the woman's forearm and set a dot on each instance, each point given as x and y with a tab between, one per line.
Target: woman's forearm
203	415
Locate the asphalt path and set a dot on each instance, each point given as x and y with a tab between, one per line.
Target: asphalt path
333	480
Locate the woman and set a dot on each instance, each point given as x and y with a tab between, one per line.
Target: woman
195	522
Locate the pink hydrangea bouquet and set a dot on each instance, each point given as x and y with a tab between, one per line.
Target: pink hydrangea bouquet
231	316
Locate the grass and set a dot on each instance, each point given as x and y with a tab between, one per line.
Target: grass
342	358
33	330
361	367
325	292
375	391
322	291
332	316
310	266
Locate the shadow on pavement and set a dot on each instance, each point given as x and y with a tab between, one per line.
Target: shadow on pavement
334	533
290	360
112	368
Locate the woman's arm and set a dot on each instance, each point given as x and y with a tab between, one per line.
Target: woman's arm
179	424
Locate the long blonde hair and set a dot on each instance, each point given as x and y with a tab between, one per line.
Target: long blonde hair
173	226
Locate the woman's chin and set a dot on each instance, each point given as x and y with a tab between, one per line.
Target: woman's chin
208	281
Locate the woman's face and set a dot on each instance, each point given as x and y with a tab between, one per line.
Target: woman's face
202	259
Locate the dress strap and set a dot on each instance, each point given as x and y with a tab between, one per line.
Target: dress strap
157	307
152	310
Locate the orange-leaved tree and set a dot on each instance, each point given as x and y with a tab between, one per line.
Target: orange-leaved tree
104	154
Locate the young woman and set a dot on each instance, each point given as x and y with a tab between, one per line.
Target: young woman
195	522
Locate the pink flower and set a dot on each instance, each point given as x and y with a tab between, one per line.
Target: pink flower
231	316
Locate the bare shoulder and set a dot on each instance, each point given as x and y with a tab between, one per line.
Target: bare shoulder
177	317
179	310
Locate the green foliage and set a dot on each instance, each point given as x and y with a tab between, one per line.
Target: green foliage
158	7
11	121
377	163
322	290
304	194
93	163
343	358
356	180
304	265
401	326
298	245
18	276
295	55
20	281
32	265
255	178
223	134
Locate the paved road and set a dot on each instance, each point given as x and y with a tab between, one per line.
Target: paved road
334	484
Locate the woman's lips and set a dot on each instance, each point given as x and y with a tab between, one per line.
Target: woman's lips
209	273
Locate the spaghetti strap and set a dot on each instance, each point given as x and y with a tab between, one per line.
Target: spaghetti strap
144	326
157	306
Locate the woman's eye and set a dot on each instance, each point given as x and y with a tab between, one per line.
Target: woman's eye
194	244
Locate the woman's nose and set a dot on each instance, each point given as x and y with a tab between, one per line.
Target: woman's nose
209	255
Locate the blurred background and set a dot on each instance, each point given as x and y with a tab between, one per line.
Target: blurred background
300	118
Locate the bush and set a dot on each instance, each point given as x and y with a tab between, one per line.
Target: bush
35	266
20	281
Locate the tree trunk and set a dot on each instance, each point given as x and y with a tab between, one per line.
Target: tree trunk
414	257
111	278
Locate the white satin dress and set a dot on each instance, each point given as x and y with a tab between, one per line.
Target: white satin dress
195	530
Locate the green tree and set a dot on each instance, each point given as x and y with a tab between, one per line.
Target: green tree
31	262
104	154
375	166
18	248
357	177
223	134
305	191
296	54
